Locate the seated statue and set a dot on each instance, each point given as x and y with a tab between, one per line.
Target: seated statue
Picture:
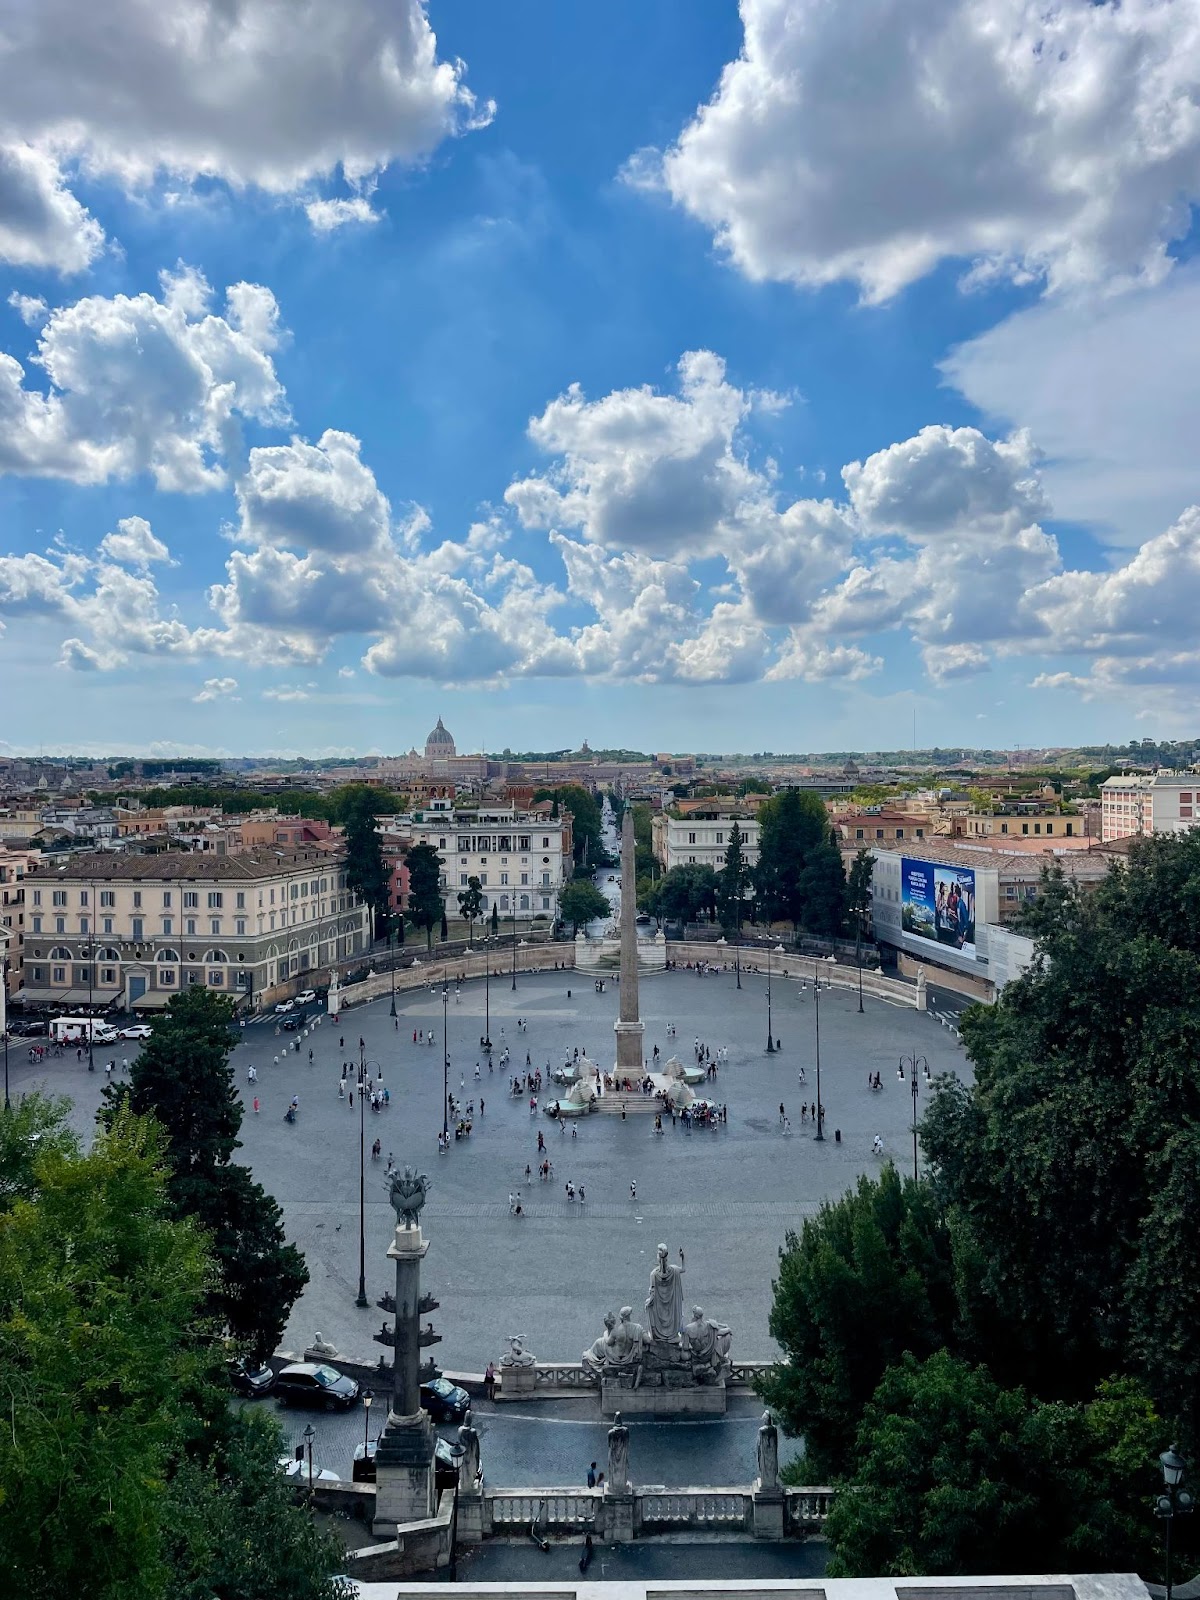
600	1354
707	1343
323	1346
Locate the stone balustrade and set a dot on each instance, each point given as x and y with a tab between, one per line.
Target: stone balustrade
714	1510
551	1378
510	1513
805	1509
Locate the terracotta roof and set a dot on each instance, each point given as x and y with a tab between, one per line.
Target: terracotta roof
187	864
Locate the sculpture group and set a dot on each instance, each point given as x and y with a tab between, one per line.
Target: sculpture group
668	1352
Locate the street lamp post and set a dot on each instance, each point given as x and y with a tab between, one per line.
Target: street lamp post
4	1006
514	975
913	1062
858	958
309	1434
487	992
770	1030
366	1400
392	955
820	1133
445	1060
362	1177
89	951
1177	1502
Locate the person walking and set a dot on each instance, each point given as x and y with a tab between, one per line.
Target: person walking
591	1476
489	1382
633	1190
255	1105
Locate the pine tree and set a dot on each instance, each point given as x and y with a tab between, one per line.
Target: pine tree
732	882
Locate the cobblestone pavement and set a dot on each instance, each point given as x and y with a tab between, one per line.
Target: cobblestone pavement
727	1195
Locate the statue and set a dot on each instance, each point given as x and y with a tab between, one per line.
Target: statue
618	1457
708	1344
768	1453
469	1469
600	1354
517	1356
323	1347
665	1300
408	1191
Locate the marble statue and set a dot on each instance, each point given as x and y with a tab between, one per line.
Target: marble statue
517	1356
408	1191
323	1347
469	1469
768	1453
599	1354
618	1457
665	1300
629	1340
708	1344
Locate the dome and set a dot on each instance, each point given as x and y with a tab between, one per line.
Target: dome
440	742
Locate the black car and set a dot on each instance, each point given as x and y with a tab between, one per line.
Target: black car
445	1401
290	1024
312	1383
249	1379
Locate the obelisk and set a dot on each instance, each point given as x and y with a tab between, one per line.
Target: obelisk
629	1028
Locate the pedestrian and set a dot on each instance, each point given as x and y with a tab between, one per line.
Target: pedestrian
591	1476
352	1098
574	1131
633	1190
581	1195
528	1172
391	1163
682	1262
255	1105
512	1200
489	1382
342	1042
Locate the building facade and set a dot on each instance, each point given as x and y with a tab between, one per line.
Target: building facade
521	860
701	838
131	931
14	865
1162	802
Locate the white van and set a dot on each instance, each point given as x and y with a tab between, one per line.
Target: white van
77	1030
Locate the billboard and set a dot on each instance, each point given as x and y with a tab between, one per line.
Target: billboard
938	903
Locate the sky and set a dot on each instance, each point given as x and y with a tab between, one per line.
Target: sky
786	376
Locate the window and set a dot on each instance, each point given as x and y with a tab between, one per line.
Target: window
523	841
189	925
858	833
190	899
58	974
108	977
137	927
239	927
83	925
37	897
1004	827
166	899
524	877
108	925
60	897
60	924
137	899
83	897
720	838
504	902
83	976
483	878
691	838
899	833
166	978
462	880
168	926
241	897
545	902
920	833
524	902
37	924
1025	828
504	877
545	842
1049	827
879	833
441	844
37	973
214	924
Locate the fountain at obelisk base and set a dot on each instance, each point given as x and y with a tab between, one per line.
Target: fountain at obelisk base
629	1028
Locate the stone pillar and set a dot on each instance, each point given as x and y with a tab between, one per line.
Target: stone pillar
629	1029
404	1475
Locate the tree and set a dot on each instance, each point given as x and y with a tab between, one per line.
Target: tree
366	871
823	891
732	882
791	826
954	1472
99	1288
495	919
470	904
586	821
858	885
686	893
425	903
581	902
883	1244
444	930
644	860
183	1079
754	786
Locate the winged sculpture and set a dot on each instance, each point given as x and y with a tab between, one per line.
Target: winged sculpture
407	1192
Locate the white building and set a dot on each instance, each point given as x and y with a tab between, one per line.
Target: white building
1163	802
129	930
701	838
522	860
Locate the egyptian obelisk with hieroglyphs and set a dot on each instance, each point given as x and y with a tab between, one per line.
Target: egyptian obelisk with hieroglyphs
629	1028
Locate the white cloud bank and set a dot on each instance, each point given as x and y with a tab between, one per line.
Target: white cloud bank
868	142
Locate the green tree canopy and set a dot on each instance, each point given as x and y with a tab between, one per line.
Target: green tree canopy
685	894
470	902
799	874
582	902
733	880
366	871
425	902
586	821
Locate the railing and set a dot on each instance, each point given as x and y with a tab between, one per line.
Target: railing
805	1509
506	1510
742	1374
564	1375
693	1508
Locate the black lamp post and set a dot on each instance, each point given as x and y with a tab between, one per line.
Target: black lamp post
858	958
4	1003
445	1060
1177	1502
392	954
913	1062
363	1064
514	975
89	953
487	992
820	1133
309	1434
770	1030
366	1400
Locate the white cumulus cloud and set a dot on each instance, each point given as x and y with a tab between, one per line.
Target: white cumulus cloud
216	689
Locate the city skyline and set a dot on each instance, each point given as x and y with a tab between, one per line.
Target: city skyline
577	378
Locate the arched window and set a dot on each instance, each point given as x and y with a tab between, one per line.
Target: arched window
170	957
60	953
504	902
109	954
212	957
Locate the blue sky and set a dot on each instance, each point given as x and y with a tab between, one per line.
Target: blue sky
678	376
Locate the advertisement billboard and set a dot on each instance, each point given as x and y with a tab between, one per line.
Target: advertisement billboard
938	903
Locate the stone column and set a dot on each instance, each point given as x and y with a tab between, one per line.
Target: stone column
404	1475
629	1029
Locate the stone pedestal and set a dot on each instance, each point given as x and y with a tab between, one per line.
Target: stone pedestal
517	1381
768	1511
404	1474
630	1047
692	1400
618	1517
470	1518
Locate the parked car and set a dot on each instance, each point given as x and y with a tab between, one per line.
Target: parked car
312	1383
249	1379
446	1456
445	1401
25	1028
138	1030
290	1024
284	1006
306	997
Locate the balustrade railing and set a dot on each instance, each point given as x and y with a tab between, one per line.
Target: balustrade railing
806	1508
564	1375
547	1508
716	1508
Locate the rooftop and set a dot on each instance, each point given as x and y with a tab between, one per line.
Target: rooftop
185	865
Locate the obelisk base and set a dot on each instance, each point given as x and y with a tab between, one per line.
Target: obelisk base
404	1477
630	1050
